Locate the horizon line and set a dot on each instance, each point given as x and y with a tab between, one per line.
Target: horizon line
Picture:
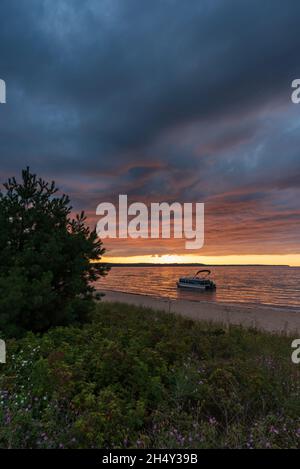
186	264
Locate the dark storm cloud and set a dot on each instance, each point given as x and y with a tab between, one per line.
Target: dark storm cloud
129	70
163	99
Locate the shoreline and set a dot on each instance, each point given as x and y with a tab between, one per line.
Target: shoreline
261	317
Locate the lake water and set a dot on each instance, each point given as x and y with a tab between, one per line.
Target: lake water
276	286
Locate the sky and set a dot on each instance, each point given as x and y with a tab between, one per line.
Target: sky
163	100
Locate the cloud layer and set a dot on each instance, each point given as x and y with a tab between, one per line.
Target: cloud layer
162	100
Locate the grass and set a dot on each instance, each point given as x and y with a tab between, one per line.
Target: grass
134	377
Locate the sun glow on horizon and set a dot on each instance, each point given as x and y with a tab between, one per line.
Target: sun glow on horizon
278	259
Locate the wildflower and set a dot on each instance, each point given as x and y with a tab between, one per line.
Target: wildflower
212	421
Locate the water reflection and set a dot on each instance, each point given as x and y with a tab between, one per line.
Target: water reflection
278	286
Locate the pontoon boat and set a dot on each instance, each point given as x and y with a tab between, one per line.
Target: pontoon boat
197	282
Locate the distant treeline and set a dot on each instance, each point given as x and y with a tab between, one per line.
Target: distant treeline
152	264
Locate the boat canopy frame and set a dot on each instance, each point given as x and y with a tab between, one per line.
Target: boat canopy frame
207	271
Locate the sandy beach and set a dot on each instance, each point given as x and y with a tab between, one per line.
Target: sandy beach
276	320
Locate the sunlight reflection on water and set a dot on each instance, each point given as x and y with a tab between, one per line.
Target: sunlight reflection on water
277	286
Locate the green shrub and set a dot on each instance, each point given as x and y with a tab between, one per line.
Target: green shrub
138	378
45	269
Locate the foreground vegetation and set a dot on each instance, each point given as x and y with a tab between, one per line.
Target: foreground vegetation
46	277
137	378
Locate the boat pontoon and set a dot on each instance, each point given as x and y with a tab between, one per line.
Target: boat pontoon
197	282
